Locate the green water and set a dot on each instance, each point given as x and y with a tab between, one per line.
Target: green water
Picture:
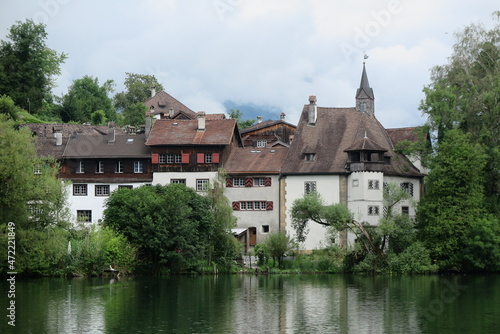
251	304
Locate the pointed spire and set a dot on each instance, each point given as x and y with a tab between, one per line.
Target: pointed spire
364	85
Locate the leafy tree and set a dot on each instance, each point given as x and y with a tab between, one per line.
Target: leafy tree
452	209
464	94
28	66
242	124
84	97
277	244
30	193
98	117
168	224
135	114
137	89
8	107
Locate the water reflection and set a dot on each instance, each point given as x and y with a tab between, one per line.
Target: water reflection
259	304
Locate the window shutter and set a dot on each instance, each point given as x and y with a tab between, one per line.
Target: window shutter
248	182
215	158
185	158
155	158
269	206
267	182
410	188
200	158
229	182
236	206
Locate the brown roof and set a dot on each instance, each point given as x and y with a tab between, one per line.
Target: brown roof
400	134
185	132
162	102
336	130
265	124
215	116
97	146
251	160
365	144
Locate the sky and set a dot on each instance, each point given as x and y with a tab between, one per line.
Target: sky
267	54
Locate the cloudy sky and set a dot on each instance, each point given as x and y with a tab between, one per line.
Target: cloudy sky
271	54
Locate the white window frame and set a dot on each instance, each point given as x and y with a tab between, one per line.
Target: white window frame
102	190
261	143
259	182
37	169
86	214
119	167
201	184
253	205
100	167
80	189
208	158
138	167
178	181
80	169
239	182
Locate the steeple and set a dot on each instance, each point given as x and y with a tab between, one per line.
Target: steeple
364	95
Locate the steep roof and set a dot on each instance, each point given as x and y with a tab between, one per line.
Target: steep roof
185	132
400	134
97	146
162	102
251	160
336	130
364	85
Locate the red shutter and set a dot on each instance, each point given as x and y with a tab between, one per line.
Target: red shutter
248	182
185	158
236	206
269	206
215	158
200	158
229	182
267	182
155	158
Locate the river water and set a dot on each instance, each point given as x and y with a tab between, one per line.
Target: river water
256	304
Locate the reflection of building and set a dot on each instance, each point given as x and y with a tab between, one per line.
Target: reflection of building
347	156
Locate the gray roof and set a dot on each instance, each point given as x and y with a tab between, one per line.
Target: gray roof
364	85
97	146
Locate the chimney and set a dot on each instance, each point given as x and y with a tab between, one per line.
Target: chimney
259	119
147	127
282	116
171	113
201	121
313	110
111	135
153	91
58	136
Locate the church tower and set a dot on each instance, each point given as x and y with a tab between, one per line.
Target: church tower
365	100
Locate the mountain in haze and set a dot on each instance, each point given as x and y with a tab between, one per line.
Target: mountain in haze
251	111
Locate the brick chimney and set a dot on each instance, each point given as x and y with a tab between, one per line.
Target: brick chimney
313	110
201	121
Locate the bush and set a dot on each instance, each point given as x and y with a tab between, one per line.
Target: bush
414	259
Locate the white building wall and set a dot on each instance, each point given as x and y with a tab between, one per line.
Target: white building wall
365	190
412	203
164	178
328	187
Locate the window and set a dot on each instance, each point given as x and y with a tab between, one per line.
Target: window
373	210
355	183
253	205
80	167
37	169
138	167
261	143
265	228
79	190
84	216
259	182
170	158
309	156
373	184
201	184
309	187
102	190
125	186
99	167
239	182
208	158
119	167
178	181
405	210
408	187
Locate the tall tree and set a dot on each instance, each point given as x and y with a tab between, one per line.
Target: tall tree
465	94
28	66
137	89
86	96
452	209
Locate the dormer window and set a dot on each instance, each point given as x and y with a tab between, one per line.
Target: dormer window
309	156
261	143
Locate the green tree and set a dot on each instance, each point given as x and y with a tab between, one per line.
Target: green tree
452	209
137	89
242	124
464	94
8	107
98	117
135	114
84	97
30	193
168	224
28	66
277	244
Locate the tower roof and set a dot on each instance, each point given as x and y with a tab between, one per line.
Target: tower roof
364	85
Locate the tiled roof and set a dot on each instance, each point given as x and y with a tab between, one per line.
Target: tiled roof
97	146
264	124
185	132
162	102
400	134
336	130
251	160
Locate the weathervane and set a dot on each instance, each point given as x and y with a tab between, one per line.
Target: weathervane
365	56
